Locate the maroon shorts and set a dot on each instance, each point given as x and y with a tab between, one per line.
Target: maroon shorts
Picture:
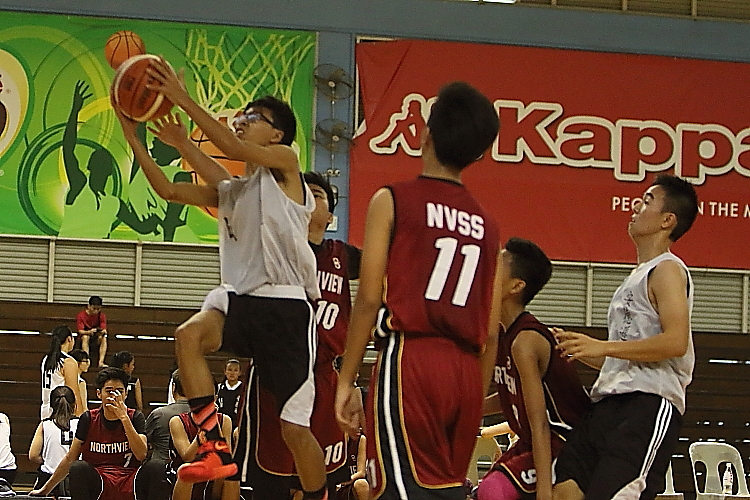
424	411
272	453
118	483
518	464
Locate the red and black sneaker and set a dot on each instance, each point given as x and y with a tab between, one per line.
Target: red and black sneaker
214	461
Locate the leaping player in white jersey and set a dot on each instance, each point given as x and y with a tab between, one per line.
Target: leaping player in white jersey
267	270
621	450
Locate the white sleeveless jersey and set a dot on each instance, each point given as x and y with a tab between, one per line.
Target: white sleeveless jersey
263	236
631	317
50	380
7	459
56	443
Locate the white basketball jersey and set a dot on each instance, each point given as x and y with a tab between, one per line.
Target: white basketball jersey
7	459
631	317
50	380
56	443
263	235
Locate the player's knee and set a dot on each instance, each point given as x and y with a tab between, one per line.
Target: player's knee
362	489
187	336
81	471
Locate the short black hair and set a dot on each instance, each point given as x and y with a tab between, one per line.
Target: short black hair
112	373
463	124
95	300
283	116
177	383
79	355
318	179
680	199
529	264
121	358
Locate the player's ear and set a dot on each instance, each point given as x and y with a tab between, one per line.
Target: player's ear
277	136
669	221
518	286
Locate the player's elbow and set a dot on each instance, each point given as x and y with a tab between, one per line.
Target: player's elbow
675	346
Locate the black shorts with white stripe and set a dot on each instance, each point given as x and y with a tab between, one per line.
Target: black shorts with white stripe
623	446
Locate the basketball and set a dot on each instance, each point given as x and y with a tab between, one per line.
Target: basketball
137	101
121	46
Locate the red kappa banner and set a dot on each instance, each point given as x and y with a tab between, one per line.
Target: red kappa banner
582	135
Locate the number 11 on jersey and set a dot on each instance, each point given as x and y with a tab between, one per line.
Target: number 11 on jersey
446	254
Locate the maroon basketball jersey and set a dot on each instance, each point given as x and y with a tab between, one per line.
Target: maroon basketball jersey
191	430
565	398
105	446
334	307
441	264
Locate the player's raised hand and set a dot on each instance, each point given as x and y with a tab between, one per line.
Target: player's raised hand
169	83
116	403
170	130
349	411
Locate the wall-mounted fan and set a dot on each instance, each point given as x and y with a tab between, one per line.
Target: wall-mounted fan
334	135
333	81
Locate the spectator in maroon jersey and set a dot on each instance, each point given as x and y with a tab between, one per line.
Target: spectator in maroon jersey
112	443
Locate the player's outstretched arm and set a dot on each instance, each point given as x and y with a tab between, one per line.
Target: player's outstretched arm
173	132
179	192
277	156
378	227
531	353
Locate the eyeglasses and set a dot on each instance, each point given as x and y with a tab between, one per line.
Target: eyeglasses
252	117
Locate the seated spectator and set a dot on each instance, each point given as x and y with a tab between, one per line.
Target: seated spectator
84	362
126	361
111	441
186	439
92	323
8	467
53	437
157	423
229	391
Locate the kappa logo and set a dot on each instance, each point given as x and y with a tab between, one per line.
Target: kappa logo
541	133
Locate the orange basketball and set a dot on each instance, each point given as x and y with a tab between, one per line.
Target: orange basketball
121	46
136	101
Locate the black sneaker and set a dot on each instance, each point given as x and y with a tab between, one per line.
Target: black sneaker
5	489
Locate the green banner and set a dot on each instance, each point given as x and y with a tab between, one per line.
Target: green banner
65	168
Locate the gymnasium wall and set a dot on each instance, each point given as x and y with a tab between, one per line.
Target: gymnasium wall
339	23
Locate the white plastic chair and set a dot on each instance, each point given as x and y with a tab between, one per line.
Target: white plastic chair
485	447
669	492
713	455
